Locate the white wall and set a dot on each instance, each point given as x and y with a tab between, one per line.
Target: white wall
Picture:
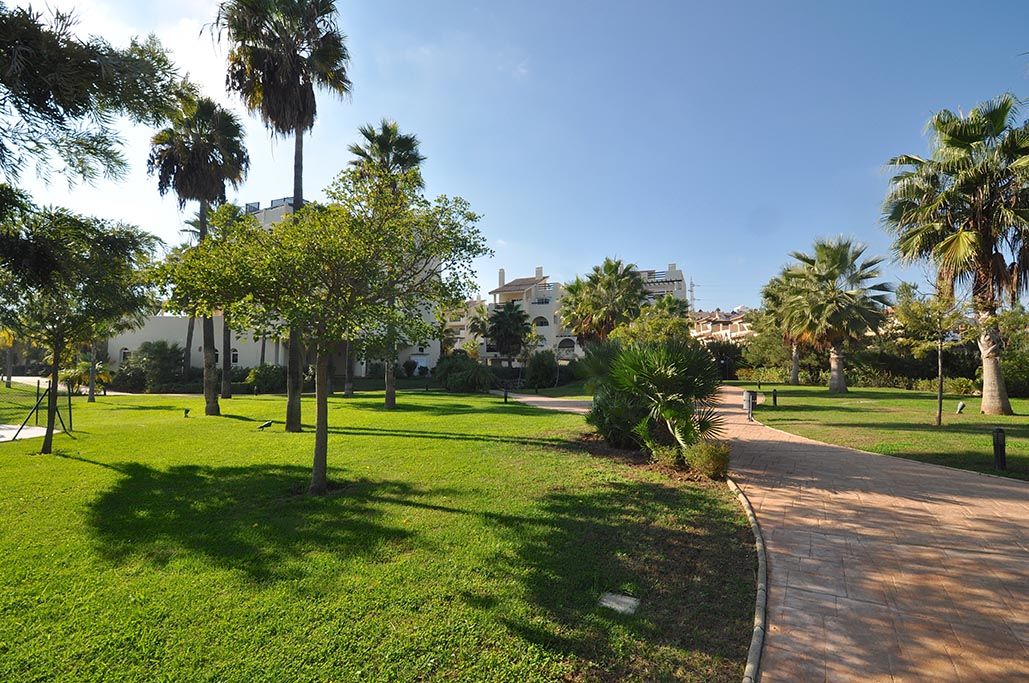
172	329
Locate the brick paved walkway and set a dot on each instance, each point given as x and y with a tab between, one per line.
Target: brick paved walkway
882	569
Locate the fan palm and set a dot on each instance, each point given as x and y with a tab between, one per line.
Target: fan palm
613	293
280	50
508	327
774	296
966	210
393	153
832	300
195	157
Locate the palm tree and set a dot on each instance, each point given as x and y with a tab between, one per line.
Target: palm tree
508	327
966	209
393	153
195	157
832	300
613	293
280	50
774	296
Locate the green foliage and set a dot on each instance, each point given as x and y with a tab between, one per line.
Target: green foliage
764	374
710	458
460	374
152	368
728	356
666	320
542	369
955	386
62	95
612	294
267	379
615	414
409	366
509	327
386	148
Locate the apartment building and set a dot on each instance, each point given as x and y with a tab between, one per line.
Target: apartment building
719	325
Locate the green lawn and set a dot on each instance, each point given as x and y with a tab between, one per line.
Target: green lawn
899	422
573	390
468	540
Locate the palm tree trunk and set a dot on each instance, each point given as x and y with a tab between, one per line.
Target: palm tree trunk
187	358
294	375
8	365
91	393
319	480
226	357
795	365
51	399
837	378
211	406
995	393
939	381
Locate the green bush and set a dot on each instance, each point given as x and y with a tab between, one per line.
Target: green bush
152	367
1015	364
461	374
267	379
960	386
769	375
614	415
541	370
710	458
410	366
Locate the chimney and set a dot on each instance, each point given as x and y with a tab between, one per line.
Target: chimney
501	278
671	267
539	272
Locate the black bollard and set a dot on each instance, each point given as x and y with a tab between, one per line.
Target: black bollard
505	394
775	398
1000	458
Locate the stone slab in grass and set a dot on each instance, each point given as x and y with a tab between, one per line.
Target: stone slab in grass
7	432
623	604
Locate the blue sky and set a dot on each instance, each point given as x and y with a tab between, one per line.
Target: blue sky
719	136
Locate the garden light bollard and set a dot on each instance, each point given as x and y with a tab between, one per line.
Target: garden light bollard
1000	456
961	408
505	394
775	398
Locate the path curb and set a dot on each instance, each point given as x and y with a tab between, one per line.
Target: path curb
757	640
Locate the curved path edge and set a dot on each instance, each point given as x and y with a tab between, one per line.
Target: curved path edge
757	640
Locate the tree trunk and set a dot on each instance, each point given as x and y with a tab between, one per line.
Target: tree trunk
837	378
8	365
211	406
226	357
391	383
939	381
91	393
348	370
294	373
795	365
995	392
264	344
187	358
319	479
51	400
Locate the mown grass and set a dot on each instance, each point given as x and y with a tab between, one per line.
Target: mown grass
573	390
467	540
899	422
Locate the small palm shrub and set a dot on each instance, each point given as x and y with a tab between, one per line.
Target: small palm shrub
615	415
154	366
710	458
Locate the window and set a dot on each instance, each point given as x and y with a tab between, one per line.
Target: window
235	356
566	344
216	356
541	322
124	354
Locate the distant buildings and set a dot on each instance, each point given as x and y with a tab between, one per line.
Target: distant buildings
719	325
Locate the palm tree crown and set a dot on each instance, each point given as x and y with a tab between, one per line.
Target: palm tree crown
282	49
201	151
508	327
386	148
613	293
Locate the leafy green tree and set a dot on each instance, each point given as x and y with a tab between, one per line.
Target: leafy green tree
195	157
833	300
105	280
61	96
612	294
393	153
774	296
280	50
509	327
667	319
966	210
929	324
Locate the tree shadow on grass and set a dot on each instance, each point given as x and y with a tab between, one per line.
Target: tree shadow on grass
689	558
251	519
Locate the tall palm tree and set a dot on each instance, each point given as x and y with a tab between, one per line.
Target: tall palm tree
201	151
280	51
613	293
966	209
832	300
508	328
774	296
394	153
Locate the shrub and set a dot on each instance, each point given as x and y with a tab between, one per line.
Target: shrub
615	415
542	369
461	374
410	366
960	386
1015	364
153	366
766	374
423	371
710	458
267	379
569	372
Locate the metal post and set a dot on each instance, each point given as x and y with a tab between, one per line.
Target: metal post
1000	460
70	427
750	405
775	398
37	402
505	394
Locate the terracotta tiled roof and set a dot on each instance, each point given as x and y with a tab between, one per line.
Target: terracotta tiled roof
519	284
